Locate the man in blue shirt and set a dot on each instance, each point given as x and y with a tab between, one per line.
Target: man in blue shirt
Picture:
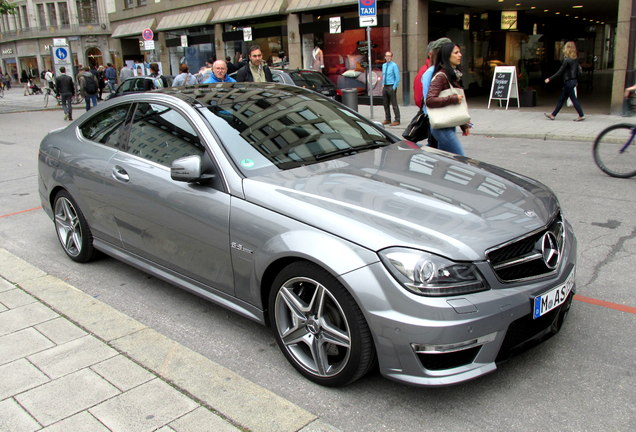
219	73
390	81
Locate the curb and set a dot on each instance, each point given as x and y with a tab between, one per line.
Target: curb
227	394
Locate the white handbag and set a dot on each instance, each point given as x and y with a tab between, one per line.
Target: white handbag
451	115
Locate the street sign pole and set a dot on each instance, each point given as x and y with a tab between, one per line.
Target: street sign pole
370	76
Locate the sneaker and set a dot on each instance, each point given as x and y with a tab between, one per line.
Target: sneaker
395	123
550	116
579	118
70	118
65	116
386	122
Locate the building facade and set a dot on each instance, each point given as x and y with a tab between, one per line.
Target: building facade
26	37
288	31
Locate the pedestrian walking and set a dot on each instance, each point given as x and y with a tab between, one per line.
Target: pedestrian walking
24	79
101	81
66	90
88	87
184	77
160	80
570	70
125	72
255	70
219	73
111	77
390	82
447	74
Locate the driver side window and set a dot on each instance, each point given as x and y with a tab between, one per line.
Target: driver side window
160	134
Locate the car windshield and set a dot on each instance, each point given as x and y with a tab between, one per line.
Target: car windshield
313	79
268	128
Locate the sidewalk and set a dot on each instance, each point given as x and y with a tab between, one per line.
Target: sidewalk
68	362
495	122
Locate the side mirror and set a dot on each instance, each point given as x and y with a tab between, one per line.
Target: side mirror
189	169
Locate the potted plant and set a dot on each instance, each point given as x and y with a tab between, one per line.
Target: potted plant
527	95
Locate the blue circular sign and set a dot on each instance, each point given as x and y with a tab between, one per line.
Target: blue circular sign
61	53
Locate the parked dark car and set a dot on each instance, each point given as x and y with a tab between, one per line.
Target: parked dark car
137	84
310	79
295	211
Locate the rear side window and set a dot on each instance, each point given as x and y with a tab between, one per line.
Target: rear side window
107	126
160	134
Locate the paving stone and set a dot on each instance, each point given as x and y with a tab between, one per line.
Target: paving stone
66	396
23	317
5	285
122	372
16	270
19	376
15	298
144	408
60	330
21	344
202	420
72	356
15	419
82	422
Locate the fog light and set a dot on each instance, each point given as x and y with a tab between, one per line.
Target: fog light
445	348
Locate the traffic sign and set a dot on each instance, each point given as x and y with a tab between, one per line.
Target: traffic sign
61	53
147	34
367	8
368	21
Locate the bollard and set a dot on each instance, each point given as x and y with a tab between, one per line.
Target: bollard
350	98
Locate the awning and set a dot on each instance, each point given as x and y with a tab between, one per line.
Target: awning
305	5
248	9
134	28
185	19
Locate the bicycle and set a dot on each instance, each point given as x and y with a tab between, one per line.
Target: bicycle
47	93
613	150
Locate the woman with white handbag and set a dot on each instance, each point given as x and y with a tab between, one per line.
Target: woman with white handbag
445	102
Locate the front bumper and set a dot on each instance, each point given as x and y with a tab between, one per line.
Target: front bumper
441	341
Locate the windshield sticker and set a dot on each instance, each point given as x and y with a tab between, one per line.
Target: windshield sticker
247	163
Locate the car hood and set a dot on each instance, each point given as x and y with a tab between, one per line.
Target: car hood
426	199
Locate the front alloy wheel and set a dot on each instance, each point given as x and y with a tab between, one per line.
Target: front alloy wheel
318	326
72	230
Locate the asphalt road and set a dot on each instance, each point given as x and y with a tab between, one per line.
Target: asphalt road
581	380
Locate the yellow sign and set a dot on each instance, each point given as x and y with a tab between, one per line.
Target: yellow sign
509	20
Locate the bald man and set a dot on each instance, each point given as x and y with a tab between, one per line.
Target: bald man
219	73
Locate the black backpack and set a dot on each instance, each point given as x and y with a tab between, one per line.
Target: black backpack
90	86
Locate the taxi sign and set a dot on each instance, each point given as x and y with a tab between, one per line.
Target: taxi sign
367	8
147	34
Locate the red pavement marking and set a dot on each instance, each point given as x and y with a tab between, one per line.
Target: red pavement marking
578	297
603	303
22	211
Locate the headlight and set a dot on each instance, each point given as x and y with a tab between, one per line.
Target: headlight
431	275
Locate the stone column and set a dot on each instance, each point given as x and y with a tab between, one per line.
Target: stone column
620	55
294	46
219	43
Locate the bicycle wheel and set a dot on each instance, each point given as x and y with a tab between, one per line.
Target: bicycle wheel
46	98
614	153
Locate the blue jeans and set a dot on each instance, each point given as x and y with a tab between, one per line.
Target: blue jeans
67	103
88	98
568	92
447	140
111	86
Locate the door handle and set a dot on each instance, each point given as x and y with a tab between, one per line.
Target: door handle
120	174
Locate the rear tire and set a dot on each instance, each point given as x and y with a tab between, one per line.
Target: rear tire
319	327
72	229
607	153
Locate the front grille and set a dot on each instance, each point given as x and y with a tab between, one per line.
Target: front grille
441	361
524	258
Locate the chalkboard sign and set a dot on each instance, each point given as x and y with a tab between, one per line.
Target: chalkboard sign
504	85
501	85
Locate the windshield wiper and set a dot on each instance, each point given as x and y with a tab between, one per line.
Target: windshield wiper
351	150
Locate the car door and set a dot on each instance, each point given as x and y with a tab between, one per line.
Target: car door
183	227
101	138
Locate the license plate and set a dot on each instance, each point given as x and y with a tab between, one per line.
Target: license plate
553	298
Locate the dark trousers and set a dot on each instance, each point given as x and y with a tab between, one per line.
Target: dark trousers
389	98
67	103
568	92
88	98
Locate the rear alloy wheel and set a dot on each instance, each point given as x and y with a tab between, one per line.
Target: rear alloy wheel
72	230
319	327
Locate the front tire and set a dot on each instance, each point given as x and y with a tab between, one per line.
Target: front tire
607	151
72	229
319	327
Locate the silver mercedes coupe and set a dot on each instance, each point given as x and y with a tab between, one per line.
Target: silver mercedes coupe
357	248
